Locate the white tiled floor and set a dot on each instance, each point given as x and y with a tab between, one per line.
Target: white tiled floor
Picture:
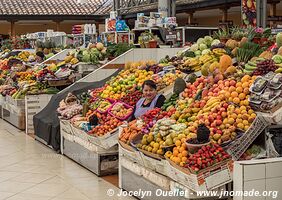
31	171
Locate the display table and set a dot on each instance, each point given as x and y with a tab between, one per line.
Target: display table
75	145
134	177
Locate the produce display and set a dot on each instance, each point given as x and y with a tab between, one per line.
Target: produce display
109	106
121	111
221	105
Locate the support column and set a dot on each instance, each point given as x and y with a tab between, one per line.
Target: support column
97	27
190	17
224	14
13	28
261	13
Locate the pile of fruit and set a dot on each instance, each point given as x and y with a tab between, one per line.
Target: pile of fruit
121	111
132	97
130	132
103	105
105	127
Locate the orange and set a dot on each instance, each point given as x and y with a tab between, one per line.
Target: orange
181	149
253	115
231	121
183	140
254	78
237	111
250	112
177	160
246	102
175	153
234	94
238	120
246	78
244	112
236	100
240	125
225	121
239	90
227	94
234	116
245	122
245	85
243	108
238	84
179	155
246	128
184	153
242	96
232	89
184	159
246	91
178	143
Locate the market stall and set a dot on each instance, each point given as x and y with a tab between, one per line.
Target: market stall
102	140
230	113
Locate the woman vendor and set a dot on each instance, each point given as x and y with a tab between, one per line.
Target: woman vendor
151	99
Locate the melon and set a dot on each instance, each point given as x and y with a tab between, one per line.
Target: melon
99	46
279	40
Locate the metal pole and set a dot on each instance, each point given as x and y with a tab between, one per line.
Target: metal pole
264	13
258	13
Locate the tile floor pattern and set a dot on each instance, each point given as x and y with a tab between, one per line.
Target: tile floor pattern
31	171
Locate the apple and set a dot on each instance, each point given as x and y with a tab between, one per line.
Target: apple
218	122
225	105
211	118
218	117
219	131
232	83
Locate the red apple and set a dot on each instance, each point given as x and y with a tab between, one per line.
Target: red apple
219	131
218	122
232	83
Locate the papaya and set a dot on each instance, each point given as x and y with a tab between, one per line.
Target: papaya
224	62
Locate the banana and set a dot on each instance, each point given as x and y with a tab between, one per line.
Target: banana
250	67
279	70
252	63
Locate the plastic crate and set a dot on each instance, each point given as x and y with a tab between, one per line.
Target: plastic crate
238	147
33	105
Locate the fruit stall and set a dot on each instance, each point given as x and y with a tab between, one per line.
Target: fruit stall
28	86
231	113
90	123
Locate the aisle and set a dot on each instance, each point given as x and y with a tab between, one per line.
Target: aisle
31	171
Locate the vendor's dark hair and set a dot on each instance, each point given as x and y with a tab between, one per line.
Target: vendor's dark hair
40	54
149	83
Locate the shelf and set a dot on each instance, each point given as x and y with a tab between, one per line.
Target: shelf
109	32
197	27
145	28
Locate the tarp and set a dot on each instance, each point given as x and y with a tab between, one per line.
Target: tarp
47	124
